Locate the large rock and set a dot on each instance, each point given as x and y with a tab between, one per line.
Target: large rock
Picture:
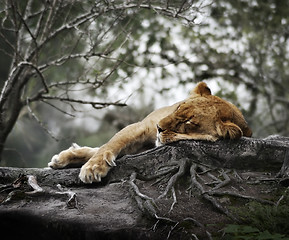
165	192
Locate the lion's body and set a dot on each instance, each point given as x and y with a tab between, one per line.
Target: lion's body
202	116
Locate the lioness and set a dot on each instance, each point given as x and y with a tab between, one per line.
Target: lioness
201	116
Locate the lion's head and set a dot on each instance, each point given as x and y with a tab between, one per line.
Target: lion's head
203	117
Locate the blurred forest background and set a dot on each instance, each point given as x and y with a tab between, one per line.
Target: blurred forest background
78	71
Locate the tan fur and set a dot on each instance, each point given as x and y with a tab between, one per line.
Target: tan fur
202	116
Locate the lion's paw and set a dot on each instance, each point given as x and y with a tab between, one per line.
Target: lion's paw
97	167
62	159
57	162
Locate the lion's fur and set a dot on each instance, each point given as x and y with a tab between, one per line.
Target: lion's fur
202	116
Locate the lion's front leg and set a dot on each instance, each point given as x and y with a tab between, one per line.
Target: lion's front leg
124	141
75	155
97	167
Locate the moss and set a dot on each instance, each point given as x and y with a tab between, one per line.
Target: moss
270	218
238	232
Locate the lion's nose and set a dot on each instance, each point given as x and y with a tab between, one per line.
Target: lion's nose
159	129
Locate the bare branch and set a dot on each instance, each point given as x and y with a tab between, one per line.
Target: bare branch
11	81
73	24
8	42
39	121
26	27
96	105
62	60
58	109
181	8
48	22
92	84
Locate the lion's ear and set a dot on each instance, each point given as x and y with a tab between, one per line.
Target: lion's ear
201	89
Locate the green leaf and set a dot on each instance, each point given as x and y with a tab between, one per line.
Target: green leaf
232	228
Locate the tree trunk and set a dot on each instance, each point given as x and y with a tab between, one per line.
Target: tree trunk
176	191
10	108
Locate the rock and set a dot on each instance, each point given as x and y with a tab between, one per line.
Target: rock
174	191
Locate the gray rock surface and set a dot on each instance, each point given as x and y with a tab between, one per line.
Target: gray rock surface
179	189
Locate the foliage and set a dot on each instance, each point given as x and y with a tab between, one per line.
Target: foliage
264	217
243	232
241	45
256	57
261	221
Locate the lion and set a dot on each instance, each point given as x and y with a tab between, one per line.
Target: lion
202	116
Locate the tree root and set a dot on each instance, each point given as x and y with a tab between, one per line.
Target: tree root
175	199
148	204
175	178
211	185
225	182
144	202
228	193
177	225
206	196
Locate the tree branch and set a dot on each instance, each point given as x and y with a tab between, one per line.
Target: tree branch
40	122
94	104
63	59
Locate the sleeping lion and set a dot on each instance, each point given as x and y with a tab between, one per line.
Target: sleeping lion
201	116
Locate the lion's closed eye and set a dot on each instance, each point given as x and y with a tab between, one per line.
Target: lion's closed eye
191	126
193	122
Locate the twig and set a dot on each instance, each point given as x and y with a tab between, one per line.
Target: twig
9	197
282	197
72	200
19	187
32	182
67	83
237	175
26	26
40	122
165	219
195	236
62	60
174	224
58	109
172	229
92	103
284	172
6	187
198	224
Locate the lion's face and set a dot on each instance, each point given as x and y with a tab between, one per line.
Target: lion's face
204	117
194	119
